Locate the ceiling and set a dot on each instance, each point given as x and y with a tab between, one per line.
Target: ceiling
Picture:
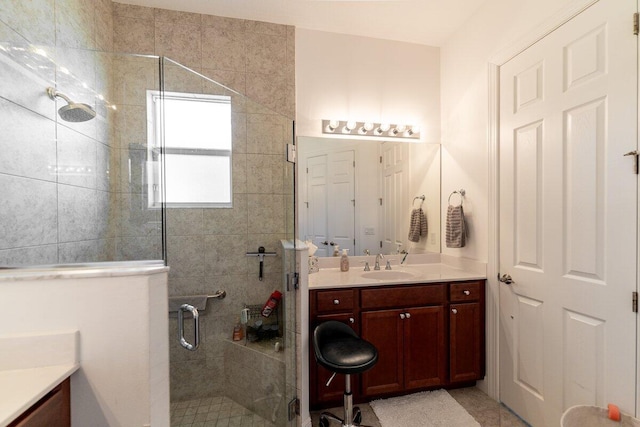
428	22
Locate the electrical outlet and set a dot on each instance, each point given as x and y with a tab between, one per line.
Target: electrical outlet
369	231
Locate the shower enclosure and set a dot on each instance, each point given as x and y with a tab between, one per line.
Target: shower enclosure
88	185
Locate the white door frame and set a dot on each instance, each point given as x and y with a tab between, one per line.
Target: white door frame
491	386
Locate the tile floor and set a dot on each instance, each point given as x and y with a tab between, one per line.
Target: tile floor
224	412
485	410
214	412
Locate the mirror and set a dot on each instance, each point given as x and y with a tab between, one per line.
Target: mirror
359	194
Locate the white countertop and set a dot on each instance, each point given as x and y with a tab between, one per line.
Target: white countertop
33	365
429	272
21	388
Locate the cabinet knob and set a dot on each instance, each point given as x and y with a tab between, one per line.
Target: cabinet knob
408	315
466	292
336	301
402	316
352	320
454	310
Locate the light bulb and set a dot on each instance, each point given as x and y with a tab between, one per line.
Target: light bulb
351	125
382	129
401	128
332	126
366	127
413	130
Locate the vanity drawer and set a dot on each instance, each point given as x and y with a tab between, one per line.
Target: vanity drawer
464	291
332	301
404	296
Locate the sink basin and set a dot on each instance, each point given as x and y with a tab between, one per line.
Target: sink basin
387	275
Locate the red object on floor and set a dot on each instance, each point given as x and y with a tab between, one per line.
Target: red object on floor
614	412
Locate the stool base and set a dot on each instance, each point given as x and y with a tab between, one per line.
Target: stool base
352	416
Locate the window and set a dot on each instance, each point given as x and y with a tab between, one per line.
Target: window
197	151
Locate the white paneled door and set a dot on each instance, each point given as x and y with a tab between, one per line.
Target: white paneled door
330	206
568	211
395	181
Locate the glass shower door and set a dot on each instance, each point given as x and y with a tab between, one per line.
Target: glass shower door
218	165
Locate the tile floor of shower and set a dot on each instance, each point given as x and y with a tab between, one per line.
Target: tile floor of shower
214	412
224	412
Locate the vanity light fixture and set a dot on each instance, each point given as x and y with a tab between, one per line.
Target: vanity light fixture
370	129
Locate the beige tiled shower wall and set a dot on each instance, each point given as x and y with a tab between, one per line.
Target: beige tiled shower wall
207	247
58	189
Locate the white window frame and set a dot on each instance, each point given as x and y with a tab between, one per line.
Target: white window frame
155	172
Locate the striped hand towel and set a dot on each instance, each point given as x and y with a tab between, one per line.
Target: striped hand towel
456	228
418	225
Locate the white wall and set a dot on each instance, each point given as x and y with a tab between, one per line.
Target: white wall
349	77
496	26
123	378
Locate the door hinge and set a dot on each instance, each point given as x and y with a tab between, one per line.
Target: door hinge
636	24
294	408
354	163
380	243
292	281
380	201
291	153
380	159
634	302
635	154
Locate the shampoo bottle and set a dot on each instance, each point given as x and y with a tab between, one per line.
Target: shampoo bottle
344	261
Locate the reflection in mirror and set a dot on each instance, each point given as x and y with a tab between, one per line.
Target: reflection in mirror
359	194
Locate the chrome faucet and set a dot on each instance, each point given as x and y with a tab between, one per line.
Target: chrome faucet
377	265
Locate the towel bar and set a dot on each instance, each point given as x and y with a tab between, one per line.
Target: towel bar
421	199
461	192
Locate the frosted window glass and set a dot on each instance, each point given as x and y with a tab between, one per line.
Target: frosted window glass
197	123
198	179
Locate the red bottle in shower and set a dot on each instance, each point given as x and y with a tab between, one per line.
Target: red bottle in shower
271	303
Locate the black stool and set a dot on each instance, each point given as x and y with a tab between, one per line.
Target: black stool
339	349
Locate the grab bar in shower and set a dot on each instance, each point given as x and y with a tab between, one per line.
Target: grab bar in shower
196	327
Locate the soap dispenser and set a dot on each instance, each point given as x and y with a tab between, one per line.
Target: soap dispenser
336	250
344	261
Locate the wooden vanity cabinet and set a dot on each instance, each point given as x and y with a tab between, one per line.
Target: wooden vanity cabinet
427	336
466	331
410	339
329	305
53	410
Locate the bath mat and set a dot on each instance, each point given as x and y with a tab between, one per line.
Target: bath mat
426	409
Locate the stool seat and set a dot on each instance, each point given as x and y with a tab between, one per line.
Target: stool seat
338	348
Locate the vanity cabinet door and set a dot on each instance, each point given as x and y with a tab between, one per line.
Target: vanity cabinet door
466	331
465	342
425	363
53	410
411	347
385	330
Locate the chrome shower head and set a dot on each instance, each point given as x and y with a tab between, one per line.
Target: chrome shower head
72	112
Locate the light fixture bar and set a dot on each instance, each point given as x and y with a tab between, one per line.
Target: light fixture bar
385	130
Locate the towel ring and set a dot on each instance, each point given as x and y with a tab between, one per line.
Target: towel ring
461	192
421	200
